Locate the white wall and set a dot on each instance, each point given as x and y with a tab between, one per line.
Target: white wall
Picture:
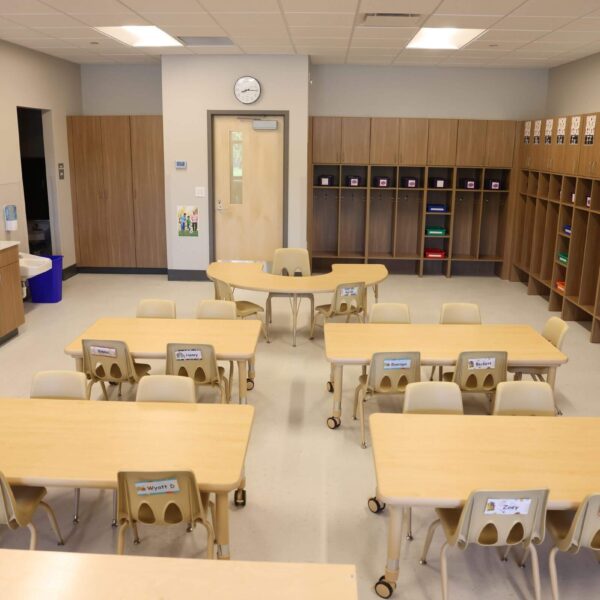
350	90
121	89
36	80
194	85
574	88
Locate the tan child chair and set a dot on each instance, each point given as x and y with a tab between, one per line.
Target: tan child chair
572	531
161	498
389	373
109	361
68	385
199	362
18	504
524	398
156	309
390	312
166	388
493	519
348	300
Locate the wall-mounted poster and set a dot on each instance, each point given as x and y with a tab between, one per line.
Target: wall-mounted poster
187	221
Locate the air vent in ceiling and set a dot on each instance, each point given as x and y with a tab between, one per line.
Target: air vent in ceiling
388	19
196	40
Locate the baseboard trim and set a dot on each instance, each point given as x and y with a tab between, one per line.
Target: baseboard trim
123	270
9	336
187	275
69	272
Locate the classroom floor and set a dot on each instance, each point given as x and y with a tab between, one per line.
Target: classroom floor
307	486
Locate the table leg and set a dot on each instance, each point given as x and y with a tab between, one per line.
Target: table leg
335	420
295	308
242	384
387	584
79	364
222	525
551	378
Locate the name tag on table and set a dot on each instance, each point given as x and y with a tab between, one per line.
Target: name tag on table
153	488
103	351
481	363
349	291
396	363
188	355
507	506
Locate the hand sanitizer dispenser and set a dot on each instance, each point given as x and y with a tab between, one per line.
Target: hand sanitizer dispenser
10	217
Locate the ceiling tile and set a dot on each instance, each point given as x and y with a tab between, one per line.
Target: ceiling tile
490	45
368	60
240	5
558	8
317	59
128	59
249	20
53	20
201	31
373	52
400	6
531	23
342	6
322	19
183	19
580	37
75	7
268	50
261	40
472	21
177	50
84	33
7	24
20	33
161	6
98	45
324	42
552	46
419	53
216	50
477	7
45	42
108	20
320	50
423	61
24	7
310	32
583	25
402	33
375	43
512	35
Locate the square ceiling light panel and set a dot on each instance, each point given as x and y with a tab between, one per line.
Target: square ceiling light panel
140	36
443	38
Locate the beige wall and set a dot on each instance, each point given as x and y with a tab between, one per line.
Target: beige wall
36	80
350	90
574	88
121	89
194	85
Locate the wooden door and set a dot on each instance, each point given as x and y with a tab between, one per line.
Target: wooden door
87	178
548	145
384	141
412	141
356	135
537	140
248	188
589	154
326	140
568	157
148	173
441	143
525	133
12	314
118	191
471	143
500	144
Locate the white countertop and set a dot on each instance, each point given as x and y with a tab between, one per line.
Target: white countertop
4	244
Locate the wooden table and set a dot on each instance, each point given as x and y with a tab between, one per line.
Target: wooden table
355	343
148	338
84	443
438	460
75	576
250	276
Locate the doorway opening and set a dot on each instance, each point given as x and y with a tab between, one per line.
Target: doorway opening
35	185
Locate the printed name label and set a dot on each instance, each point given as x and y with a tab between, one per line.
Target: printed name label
481	363
103	351
349	291
189	354
153	488
396	363
507	506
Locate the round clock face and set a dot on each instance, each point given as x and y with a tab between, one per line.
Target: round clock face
247	89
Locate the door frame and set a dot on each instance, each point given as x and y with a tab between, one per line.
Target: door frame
211	166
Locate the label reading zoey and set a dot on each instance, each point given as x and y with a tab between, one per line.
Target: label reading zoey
103	351
153	488
396	363
188	354
481	363
507	506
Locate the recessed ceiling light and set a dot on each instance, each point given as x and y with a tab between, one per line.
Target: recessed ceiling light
443	38
140	36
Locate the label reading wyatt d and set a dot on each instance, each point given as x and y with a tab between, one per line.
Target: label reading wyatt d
153	488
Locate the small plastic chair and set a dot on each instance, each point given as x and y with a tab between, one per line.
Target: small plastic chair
18	504
390	312
199	362
488	518
109	361
572	531
161	498
389	373
433	397
166	388
348	300
524	398
156	309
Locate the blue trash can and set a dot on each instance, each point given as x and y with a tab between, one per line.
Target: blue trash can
47	287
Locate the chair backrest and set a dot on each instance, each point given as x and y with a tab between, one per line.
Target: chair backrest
460	313
197	361
433	397
223	291
7	502
166	388
158	497
480	371
156	309
291	261
391	372
524	398
503	518
59	384
585	527
348	298
107	360
216	309
389	312
555	330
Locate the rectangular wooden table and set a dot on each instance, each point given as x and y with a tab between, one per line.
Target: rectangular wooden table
85	443
76	576
438	460
233	340
355	343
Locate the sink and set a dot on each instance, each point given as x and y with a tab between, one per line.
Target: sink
31	265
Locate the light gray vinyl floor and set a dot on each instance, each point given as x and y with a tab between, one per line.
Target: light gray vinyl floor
307	486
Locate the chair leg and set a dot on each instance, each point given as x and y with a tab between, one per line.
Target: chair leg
76	510
314	323
33	536
553	576
535	569
114	521
53	522
356	394
432	374
103	385
121	537
361	412
230	371
524	557
505	553
136	535
120	389
408	517
428	539
444	571
223	388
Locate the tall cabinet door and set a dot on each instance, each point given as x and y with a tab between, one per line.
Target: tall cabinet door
147	161
384	141
326	139
470	147
356	136
441	145
87	178
116	158
412	142
500	144
589	156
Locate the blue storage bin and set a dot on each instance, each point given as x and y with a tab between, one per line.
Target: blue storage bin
47	287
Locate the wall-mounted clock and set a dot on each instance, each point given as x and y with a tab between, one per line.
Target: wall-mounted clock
247	89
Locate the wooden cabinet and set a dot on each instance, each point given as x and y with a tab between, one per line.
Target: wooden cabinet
589	154
499	144
384	141
412	142
548	143
441	143
566	155
12	314
326	139
471	143
356	134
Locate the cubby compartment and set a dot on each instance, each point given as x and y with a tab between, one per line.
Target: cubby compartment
325	222
532	183
583	193
523	176
575	254
549	243
527	234
381	223
493	226
573	312
352	174
567	192
537	245
596	196
436	174
401	267
389	173
353	212
591	265
554	188
501	177
543	186
409	224
438	199
469	179
467	219
435	267
406	174
326	171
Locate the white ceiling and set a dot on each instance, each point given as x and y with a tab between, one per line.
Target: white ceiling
521	33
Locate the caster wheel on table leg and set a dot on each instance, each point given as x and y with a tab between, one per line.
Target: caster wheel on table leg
239	498
375	505
333	422
249	384
422	562
409	537
383	588
330	387
137	541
